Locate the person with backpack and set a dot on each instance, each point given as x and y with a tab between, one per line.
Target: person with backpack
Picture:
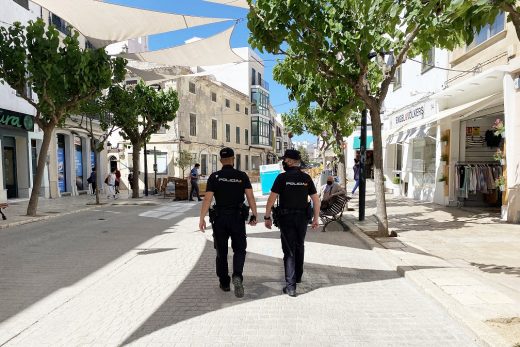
92	180
356	169
111	183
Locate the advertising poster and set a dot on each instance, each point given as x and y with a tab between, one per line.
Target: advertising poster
92	159
79	167
61	169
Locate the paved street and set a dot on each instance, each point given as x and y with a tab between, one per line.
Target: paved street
142	275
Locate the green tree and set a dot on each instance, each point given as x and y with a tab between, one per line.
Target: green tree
60	73
304	153
140	112
183	161
339	39
93	116
338	107
469	16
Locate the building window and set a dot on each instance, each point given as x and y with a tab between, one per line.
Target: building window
246	110
239	160
228	103
213	96
23	3
238	134
247	162
428	61
228	133
259	79
237	107
214	129
398	78
246	136
193	124
59	23
192	87
278	145
489	31
213	163
253	77
278	132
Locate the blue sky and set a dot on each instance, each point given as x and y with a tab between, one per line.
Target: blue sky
240	36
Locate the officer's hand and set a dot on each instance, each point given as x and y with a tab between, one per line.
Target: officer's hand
268	223
315	223
252	221
202	225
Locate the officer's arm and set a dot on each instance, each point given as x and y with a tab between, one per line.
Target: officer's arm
270	203
251	201
208	196
316	205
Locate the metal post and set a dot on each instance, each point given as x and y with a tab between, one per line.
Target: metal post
145	170
155	169
362	160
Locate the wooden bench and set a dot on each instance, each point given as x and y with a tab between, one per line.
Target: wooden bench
334	212
3	206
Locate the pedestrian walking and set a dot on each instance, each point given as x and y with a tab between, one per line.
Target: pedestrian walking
118	180
92	180
293	189
356	169
228	218
111	183
194	179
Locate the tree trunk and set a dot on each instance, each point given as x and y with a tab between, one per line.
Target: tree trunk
40	169
136	162
342	170
97	191
375	115
323	158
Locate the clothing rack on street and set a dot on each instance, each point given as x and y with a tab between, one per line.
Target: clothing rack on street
477	181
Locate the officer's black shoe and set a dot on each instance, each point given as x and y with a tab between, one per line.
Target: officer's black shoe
290	292
299	280
239	287
225	288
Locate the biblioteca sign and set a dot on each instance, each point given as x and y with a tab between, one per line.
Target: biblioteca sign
16	120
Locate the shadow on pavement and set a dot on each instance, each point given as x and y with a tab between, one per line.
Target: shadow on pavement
40	259
199	294
498	269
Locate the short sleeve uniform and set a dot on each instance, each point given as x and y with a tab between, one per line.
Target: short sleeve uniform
294	187
228	186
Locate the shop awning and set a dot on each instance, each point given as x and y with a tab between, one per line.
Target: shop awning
357	142
214	50
104	23
470	108
236	3
420	131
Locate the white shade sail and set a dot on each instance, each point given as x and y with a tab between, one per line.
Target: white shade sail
214	50
103	23
236	3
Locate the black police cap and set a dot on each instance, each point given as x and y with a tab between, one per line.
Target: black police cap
292	154
226	153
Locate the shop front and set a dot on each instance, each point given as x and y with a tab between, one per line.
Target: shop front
15	154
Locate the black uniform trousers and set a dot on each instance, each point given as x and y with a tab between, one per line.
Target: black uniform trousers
229	224
293	227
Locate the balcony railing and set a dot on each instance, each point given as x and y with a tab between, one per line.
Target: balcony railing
264	84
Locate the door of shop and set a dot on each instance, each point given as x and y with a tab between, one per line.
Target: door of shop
9	164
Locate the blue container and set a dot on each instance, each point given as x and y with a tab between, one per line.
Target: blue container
268	174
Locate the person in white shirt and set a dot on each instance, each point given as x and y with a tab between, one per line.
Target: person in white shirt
329	191
111	182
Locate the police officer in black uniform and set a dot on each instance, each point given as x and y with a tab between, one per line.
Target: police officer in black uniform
292	188
228	218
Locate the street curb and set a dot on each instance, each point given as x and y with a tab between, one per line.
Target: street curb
43	218
483	335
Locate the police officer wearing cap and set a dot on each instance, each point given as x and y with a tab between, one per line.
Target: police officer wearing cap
293	188
228	219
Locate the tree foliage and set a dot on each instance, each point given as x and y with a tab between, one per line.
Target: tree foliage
346	42
60	73
140	112
183	161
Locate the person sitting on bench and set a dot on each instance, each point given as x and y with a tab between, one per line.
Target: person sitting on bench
329	192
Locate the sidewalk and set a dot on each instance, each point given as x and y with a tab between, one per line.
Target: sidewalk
50	208
468	259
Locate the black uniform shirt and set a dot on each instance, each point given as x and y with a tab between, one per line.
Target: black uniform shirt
293	187
229	186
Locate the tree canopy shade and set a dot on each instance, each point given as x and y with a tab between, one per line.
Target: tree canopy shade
339	39
140	112
59	72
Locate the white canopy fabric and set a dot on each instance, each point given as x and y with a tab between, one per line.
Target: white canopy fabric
214	50
103	23
236	3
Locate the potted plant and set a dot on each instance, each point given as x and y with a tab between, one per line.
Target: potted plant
499	156
501	183
499	128
397	186
445	158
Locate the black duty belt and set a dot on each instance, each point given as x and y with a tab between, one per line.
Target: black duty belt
286	211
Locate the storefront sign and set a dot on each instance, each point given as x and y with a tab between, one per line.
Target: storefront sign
409	115
412	114
16	120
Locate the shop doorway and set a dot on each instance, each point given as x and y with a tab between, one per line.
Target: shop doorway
369	163
9	164
113	164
